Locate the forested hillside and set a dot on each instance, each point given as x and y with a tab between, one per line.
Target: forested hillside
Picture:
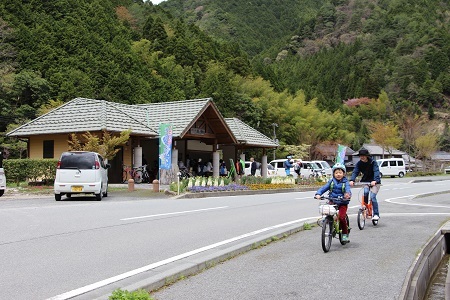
340	49
265	61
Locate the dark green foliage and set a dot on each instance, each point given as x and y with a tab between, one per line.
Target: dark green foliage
17	170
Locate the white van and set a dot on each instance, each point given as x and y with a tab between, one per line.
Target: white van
392	167
278	165
81	172
270	170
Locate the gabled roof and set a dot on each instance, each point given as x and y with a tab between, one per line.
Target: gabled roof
440	155
248	135
81	115
378	150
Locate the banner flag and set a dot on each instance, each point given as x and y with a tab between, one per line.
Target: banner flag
340	156
165	146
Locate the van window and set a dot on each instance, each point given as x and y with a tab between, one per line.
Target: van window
393	163
78	161
400	163
384	164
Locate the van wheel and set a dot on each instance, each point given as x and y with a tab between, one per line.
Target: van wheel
58	197
99	196
2	192
401	174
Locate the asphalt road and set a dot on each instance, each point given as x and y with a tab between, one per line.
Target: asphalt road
372	266
62	249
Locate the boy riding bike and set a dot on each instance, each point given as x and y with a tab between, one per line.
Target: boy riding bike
370	173
339	187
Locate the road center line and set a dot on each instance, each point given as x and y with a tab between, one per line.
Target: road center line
173	213
116	278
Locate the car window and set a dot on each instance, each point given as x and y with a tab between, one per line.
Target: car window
400	163
384	164
78	161
326	165
270	167
393	163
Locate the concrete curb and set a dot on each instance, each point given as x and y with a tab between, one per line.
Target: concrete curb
421	272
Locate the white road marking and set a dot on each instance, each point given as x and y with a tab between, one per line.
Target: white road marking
174	213
116	278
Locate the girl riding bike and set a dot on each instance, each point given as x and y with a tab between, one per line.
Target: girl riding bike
339	187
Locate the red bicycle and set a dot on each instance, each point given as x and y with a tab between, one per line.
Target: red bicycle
365	212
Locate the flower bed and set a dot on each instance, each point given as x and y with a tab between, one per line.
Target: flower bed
219	184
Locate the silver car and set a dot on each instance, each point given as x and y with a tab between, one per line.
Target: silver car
81	172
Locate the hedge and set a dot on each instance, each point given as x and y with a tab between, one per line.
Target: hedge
31	170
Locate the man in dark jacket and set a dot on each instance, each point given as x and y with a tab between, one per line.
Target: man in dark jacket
370	173
253	166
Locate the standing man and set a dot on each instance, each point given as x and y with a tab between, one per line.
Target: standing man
253	166
370	173
288	165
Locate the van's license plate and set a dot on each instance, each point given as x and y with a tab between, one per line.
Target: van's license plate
77	189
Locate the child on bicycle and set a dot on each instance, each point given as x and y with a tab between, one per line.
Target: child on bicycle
338	187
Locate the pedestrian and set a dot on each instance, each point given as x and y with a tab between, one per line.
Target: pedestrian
338	187
200	167
209	168
288	165
222	168
368	167
253	166
298	167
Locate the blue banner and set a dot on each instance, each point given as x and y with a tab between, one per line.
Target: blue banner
165	146
340	156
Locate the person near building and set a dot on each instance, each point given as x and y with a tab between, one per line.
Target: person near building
253	166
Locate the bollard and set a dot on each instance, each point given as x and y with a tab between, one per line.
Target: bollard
130	184
155	185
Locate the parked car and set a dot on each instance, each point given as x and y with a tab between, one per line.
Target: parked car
325	167
278	166
81	172
392	167
2	182
447	170
311	169
270	170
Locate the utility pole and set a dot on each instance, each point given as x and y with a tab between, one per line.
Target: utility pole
274	139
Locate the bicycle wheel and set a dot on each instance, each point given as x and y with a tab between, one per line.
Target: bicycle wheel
361	218
138	176
327	234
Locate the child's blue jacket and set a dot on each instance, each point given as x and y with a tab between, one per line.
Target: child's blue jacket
337	188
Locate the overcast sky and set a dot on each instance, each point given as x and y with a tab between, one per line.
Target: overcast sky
157	1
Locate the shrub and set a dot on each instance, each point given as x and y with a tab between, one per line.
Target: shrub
17	170
126	295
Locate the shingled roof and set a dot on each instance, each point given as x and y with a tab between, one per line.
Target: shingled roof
82	115
248	135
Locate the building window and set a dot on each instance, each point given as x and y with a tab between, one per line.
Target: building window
49	149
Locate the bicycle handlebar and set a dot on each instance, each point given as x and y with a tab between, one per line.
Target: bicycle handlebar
362	183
